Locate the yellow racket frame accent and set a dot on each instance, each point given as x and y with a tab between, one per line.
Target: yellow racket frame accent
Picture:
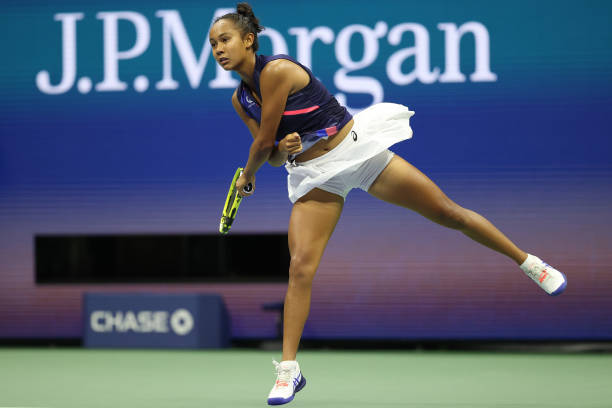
232	202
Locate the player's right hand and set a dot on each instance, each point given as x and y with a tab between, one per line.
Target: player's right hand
292	144
244	181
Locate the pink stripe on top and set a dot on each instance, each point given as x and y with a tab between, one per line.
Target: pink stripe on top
331	130
300	111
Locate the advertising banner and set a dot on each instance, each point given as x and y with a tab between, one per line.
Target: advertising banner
155	321
115	119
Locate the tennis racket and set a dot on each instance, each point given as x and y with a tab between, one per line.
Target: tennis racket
232	202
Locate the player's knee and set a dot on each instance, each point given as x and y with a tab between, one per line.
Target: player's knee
451	215
301	270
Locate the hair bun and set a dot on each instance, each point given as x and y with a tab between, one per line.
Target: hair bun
245	9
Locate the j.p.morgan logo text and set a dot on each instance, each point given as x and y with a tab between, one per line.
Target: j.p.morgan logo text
347	78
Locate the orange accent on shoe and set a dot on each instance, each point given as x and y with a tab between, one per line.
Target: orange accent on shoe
281	383
543	275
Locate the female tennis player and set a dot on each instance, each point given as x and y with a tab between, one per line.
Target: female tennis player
327	152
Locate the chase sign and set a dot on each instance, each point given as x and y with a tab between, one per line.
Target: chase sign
155	320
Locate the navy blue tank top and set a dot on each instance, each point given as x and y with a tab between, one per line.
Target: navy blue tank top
312	112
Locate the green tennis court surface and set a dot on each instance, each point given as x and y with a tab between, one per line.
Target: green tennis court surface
58	378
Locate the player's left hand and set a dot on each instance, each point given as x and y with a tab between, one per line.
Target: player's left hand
244	181
291	144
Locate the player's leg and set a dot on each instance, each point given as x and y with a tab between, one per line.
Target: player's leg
312	222
403	184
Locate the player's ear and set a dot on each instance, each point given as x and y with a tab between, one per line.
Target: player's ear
248	40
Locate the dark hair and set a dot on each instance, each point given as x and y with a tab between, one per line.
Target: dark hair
245	21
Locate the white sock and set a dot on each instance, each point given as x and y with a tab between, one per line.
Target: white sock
531	259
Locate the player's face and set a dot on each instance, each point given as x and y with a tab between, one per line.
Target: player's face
228	46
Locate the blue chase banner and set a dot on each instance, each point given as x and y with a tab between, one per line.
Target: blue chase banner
155	320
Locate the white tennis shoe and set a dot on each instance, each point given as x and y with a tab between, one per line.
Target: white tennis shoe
548	278
289	380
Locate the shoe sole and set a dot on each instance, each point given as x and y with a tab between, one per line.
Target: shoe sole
281	401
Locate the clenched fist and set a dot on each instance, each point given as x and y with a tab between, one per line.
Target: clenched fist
292	144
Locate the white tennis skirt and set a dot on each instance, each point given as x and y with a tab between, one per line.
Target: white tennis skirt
358	159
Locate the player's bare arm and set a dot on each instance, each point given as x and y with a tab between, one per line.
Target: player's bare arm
277	81
291	144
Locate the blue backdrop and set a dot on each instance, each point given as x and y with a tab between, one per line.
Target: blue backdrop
115	119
